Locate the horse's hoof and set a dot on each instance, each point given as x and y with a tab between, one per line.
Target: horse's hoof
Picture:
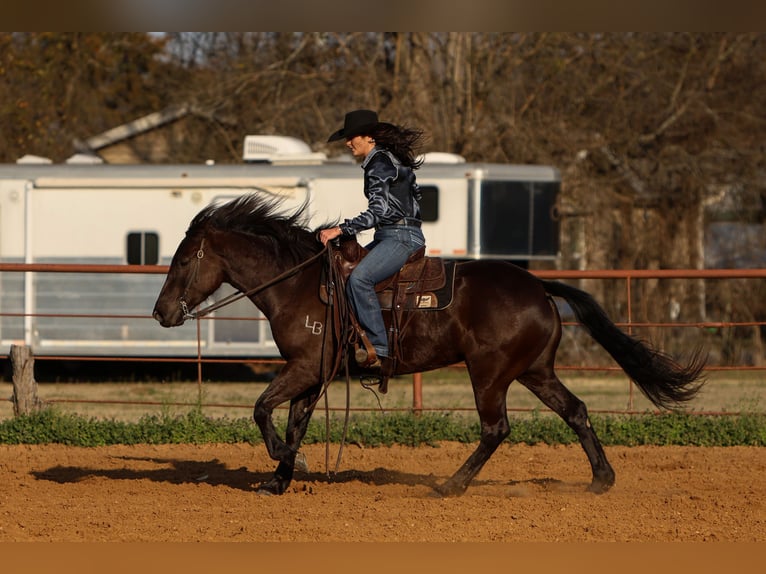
597	487
446	490
269	489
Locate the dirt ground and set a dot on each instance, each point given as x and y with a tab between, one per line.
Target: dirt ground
525	493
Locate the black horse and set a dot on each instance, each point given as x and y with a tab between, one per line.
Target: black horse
502	323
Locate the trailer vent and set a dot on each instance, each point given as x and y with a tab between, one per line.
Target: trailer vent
433	157
33	159
279	149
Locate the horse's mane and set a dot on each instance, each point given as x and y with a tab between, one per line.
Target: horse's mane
259	215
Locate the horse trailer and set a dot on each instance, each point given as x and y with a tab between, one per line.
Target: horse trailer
137	214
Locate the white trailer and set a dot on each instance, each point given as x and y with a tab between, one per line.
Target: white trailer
137	215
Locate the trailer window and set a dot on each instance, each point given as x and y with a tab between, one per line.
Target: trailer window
143	248
429	203
517	218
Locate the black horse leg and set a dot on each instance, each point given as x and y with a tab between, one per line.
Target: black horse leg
551	391
490	403
277	448
291	383
301	409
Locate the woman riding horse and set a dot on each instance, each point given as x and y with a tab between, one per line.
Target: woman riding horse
388	160
502	324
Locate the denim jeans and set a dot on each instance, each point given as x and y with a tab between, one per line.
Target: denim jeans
389	250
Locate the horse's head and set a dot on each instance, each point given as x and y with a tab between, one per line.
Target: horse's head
195	273
258	242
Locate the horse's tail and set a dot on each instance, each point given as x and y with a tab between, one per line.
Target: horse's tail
664	381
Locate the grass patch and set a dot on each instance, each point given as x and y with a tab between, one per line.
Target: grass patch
376	429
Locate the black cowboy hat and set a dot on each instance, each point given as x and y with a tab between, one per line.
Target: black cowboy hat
356	123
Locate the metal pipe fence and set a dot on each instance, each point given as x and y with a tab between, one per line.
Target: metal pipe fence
629	323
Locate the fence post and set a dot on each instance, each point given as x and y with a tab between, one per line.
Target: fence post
25	399
417	393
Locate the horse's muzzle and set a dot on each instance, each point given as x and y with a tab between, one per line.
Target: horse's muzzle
167	322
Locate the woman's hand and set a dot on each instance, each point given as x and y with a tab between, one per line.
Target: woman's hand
329	234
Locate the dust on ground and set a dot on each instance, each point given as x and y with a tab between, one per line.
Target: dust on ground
525	493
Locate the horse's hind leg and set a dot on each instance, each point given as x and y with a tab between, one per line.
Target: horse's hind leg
490	404
551	391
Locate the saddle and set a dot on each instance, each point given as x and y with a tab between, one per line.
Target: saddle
423	283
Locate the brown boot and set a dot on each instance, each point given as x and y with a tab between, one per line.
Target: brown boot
362	358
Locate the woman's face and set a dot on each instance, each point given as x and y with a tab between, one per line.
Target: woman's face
360	146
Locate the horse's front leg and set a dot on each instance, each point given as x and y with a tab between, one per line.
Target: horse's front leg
301	409
277	448
292	384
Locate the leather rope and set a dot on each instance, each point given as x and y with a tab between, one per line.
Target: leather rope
239	295
344	327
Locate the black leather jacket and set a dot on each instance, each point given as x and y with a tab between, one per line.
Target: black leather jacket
391	191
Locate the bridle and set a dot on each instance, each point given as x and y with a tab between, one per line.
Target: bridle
192	279
239	294
290	272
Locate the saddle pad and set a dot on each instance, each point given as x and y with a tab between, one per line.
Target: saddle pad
428	300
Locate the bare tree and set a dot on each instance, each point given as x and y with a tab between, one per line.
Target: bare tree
650	131
56	87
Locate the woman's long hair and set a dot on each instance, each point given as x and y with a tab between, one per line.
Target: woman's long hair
403	142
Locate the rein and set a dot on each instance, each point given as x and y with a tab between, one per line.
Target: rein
192	278
239	295
339	308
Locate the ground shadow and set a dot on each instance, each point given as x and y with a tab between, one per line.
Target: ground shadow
172	471
216	473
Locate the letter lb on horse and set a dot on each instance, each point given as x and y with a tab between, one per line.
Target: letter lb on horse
502	323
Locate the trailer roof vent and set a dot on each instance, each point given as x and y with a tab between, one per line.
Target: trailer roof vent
33	159
279	150
441	157
84	159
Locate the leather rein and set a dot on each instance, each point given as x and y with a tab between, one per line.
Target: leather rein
338	324
240	294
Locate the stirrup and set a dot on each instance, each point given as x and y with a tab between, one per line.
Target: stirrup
377	374
370	381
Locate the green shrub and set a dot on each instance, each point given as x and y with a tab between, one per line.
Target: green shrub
50	426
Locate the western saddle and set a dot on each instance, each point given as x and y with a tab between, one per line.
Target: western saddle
416	286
